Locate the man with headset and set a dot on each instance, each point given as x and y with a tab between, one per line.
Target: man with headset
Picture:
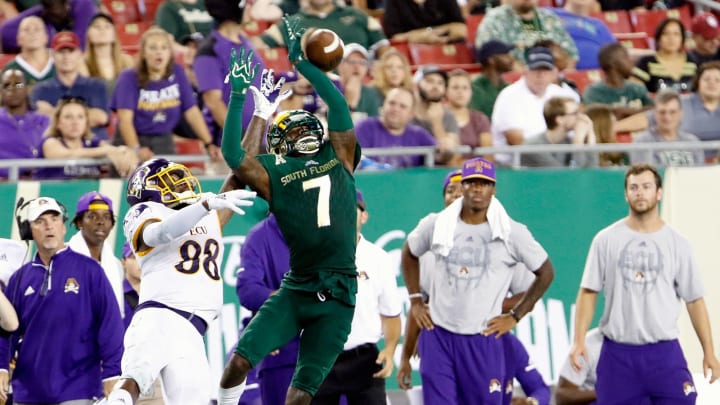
69	318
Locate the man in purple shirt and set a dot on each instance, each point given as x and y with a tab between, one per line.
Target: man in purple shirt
70	323
59	15
393	129
212	60
21	129
265	258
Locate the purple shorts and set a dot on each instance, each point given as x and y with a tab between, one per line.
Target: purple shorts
654	373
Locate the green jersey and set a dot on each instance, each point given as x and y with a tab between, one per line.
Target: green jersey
314	201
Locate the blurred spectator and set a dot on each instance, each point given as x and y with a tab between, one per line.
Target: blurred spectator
577	387
184	17
68	82
393	129
272	10
528	95
706	36
522	23
671	66
34	59
622	95
362	99
390	71
431	112
21	128
474	125
58	15
304	96
150	99
494	56
426	22
213	59
562	63
103	58
603	121
565	125
667	114
589	33
69	137
94	219
63	298
351	24
190	44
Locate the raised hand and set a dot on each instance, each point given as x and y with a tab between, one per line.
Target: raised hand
293	34
241	71
263	107
230	200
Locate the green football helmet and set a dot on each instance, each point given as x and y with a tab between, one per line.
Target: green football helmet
307	142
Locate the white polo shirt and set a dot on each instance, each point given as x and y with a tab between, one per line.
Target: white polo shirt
377	294
516	107
12	257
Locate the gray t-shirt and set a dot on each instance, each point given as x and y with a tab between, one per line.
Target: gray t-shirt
556	159
643	276
586	378
468	286
667	157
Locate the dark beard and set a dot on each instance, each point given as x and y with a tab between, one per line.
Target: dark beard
426	98
524	8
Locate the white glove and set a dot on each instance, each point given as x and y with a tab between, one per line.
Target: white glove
230	200
263	107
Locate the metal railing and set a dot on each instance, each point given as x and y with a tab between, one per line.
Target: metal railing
428	152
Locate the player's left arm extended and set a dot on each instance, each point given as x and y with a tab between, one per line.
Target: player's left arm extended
701	323
340	125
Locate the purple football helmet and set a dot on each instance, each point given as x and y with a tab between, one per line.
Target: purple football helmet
164	182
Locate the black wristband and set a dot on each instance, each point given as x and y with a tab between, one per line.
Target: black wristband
208	144
514	314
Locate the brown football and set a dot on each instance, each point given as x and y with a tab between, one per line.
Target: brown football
324	49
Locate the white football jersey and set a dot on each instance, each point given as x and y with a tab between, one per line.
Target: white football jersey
185	273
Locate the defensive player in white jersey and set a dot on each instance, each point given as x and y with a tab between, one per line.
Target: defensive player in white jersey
176	234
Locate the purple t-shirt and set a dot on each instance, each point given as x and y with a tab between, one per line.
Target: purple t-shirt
372	134
20	136
158	106
69	171
81	11
211	63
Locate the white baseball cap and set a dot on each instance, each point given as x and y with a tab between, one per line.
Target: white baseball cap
41	205
355	47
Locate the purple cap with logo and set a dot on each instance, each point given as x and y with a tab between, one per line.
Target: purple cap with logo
478	168
127	250
452	177
94	201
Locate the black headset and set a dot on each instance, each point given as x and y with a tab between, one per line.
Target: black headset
23	224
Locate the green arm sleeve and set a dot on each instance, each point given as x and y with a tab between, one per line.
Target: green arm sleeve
233	132
339	119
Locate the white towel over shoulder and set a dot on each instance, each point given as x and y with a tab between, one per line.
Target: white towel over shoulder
444	231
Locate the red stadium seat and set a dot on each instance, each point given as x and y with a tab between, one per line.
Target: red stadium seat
473	23
150	8
276	59
191	147
584	78
129	35
647	21
445	54
634	40
402	47
5	58
546	3
616	21
511	77
123	11
253	28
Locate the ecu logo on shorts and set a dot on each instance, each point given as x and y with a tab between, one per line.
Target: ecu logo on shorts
688	388
495	386
71	285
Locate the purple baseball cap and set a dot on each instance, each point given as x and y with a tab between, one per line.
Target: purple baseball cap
94	201
127	250
478	168
452	177
361	200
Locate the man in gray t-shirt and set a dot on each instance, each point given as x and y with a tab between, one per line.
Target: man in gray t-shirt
644	267
477	248
578	386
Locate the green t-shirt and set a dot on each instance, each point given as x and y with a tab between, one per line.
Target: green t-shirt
629	95
31	75
369	102
484	93
181	19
